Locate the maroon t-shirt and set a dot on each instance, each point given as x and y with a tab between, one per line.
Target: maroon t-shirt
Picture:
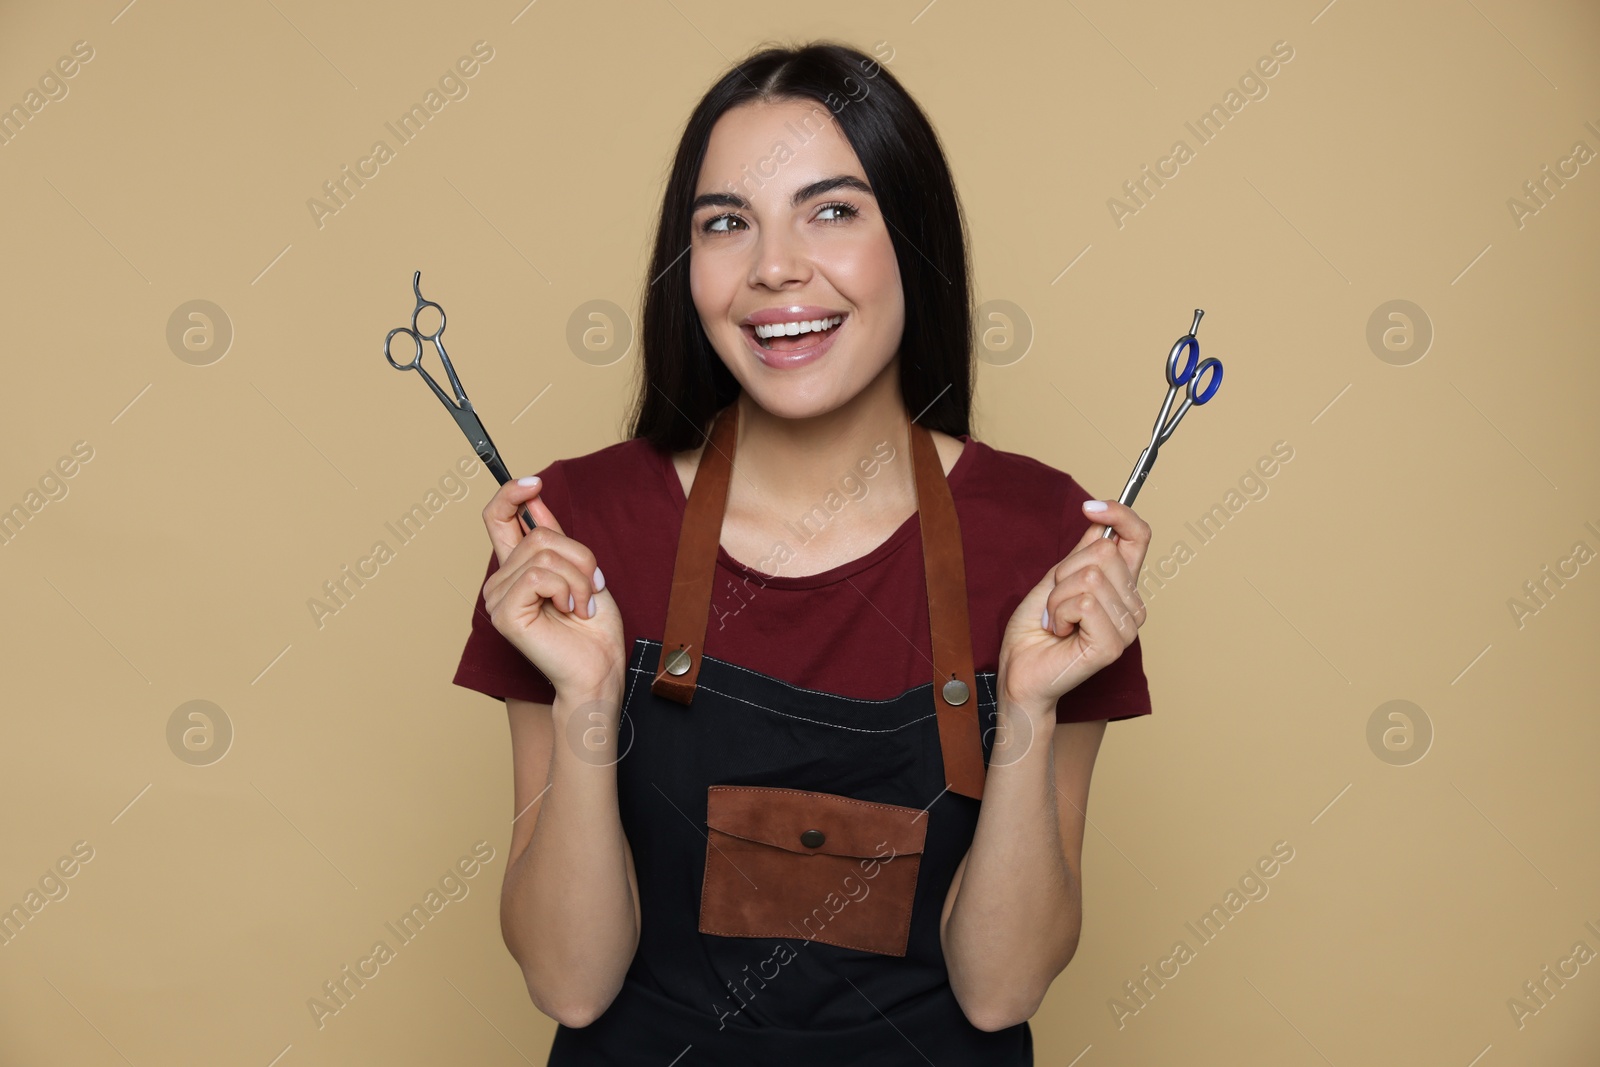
859	629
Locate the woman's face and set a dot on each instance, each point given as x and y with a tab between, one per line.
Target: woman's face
786	230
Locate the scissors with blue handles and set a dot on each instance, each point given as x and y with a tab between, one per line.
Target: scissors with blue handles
1189	377
460	407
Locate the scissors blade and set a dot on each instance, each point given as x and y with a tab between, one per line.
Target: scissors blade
1141	471
478	436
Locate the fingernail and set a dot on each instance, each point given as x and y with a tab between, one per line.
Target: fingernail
599	580
1044	621
570	602
532	479
1094	505
591	607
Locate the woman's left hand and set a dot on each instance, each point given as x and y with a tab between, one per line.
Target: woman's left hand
1091	603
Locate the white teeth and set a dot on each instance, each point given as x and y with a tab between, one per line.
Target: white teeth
790	329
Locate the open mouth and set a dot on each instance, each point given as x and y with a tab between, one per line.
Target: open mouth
793	336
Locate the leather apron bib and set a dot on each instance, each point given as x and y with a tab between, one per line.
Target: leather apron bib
794	847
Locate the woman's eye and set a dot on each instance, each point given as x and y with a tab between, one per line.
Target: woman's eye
725	223
711	224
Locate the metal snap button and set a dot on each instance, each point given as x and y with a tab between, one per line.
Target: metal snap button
955	692
678	662
813	838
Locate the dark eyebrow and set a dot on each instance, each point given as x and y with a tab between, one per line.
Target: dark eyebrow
801	195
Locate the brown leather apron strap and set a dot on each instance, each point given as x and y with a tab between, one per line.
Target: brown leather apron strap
954	684
694	573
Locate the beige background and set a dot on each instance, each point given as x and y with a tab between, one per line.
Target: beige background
1379	565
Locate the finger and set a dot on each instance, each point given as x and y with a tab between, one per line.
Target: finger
1120	517
576	575
1067	602
1106	556
1103	553
548	538
523	594
1132	532
548	576
568	562
1098	637
1108	584
500	514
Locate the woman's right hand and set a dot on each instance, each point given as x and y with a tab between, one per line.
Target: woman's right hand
539	598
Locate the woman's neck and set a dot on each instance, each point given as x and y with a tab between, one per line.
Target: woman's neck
795	463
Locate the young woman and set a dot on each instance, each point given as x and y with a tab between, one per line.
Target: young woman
805	683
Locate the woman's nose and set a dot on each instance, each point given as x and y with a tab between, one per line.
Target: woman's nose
780	258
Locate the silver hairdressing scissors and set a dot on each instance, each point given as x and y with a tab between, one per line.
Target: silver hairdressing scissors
461	407
1190	376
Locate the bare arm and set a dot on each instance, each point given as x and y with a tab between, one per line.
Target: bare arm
569	906
1013	914
1014	909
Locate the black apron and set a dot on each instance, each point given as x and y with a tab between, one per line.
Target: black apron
794	847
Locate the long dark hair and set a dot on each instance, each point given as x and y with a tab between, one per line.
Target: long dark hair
683	381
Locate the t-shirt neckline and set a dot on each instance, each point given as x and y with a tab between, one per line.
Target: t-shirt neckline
835	574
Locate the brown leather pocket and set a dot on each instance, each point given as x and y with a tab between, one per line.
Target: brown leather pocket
817	866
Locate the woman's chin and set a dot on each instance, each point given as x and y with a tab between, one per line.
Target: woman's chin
795	400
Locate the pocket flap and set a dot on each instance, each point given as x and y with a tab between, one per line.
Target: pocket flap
804	821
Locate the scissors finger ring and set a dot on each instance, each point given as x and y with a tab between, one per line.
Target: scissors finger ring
1187	380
